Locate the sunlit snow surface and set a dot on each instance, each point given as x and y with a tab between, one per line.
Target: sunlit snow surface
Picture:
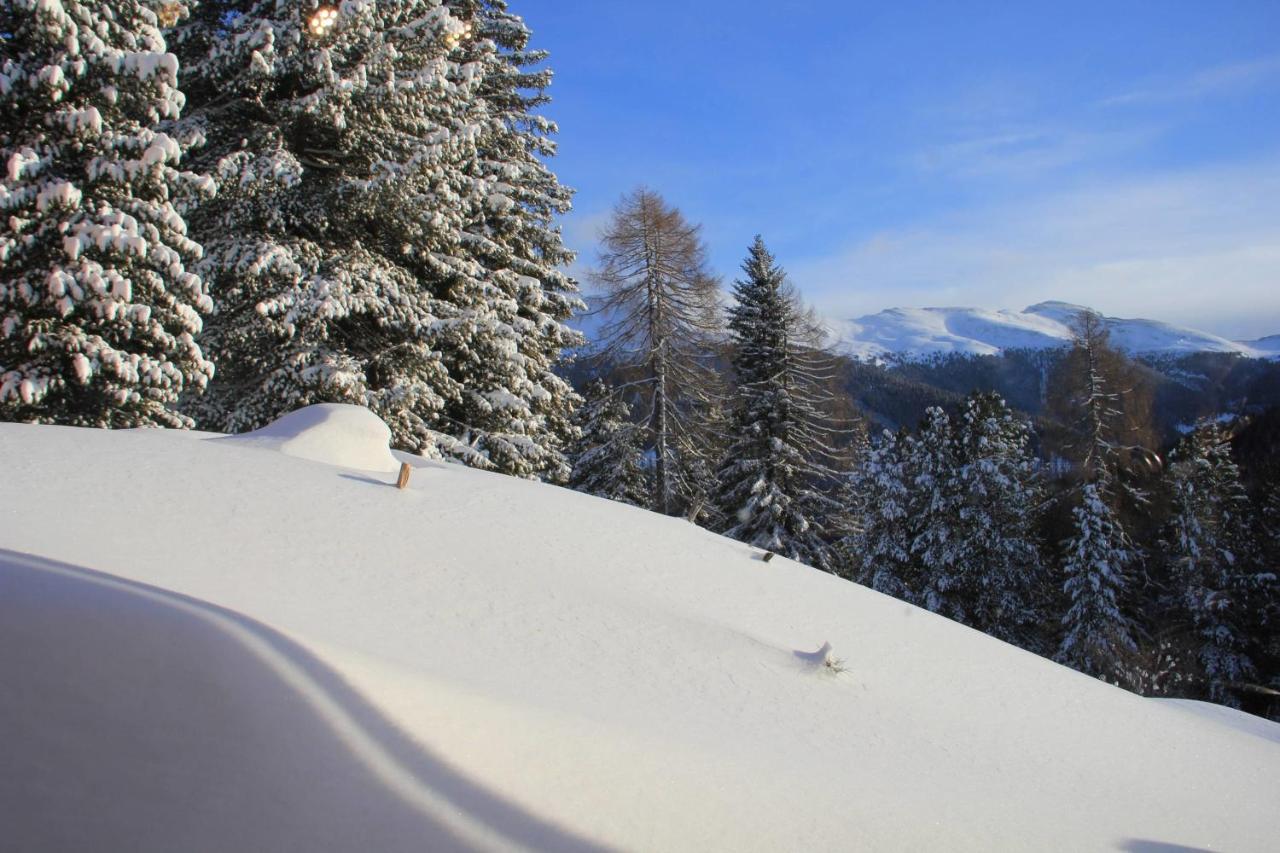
207	646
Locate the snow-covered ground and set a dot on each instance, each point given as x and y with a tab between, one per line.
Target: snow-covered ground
211	644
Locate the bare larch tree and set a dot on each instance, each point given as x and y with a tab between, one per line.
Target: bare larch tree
661	309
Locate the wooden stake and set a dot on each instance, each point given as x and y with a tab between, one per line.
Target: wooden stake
403	479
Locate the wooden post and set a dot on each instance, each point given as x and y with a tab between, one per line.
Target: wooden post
403	479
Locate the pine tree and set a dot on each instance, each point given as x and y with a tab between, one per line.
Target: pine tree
507	331
334	146
1098	636
608	457
998	491
99	308
769	492
383	233
934	518
1215	559
660	302
879	550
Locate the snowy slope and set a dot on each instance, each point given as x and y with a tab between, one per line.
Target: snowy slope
922	332
217	645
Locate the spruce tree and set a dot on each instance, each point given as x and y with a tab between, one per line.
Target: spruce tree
879	549
1098	638
934	518
333	145
770	482
509	305
383	233
999	493
1216	561
1098	635
608	456
99	306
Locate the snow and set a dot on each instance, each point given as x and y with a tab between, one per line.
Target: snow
333	433
208	646
925	332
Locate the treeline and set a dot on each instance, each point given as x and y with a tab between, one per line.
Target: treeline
1074	537
1185	388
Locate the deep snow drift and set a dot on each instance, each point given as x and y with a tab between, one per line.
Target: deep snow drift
213	645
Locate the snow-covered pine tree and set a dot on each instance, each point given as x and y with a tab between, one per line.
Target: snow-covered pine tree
1215	561
383	235
1269	660
879	549
770	483
334	134
1098	638
608	456
660	304
99	308
1098	635
507	331
934	517
996	549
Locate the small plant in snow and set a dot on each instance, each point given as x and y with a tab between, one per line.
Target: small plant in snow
823	659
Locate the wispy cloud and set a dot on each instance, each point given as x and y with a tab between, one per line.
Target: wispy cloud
1200	248
1219	80
1028	152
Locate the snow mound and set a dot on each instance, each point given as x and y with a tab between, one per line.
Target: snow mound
333	433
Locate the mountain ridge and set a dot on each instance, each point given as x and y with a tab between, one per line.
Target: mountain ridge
915	333
921	333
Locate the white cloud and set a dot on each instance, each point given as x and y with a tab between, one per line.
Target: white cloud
1199	248
1027	152
1222	79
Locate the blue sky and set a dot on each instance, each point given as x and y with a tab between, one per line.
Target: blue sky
1120	155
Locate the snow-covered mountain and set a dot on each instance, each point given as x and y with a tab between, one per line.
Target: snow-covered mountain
923	332
259	643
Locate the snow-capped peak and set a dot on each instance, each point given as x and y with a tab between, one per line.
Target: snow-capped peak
923	332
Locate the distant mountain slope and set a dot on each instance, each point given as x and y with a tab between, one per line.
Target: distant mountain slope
924	332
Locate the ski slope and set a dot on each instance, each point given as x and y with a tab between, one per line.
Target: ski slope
212	644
